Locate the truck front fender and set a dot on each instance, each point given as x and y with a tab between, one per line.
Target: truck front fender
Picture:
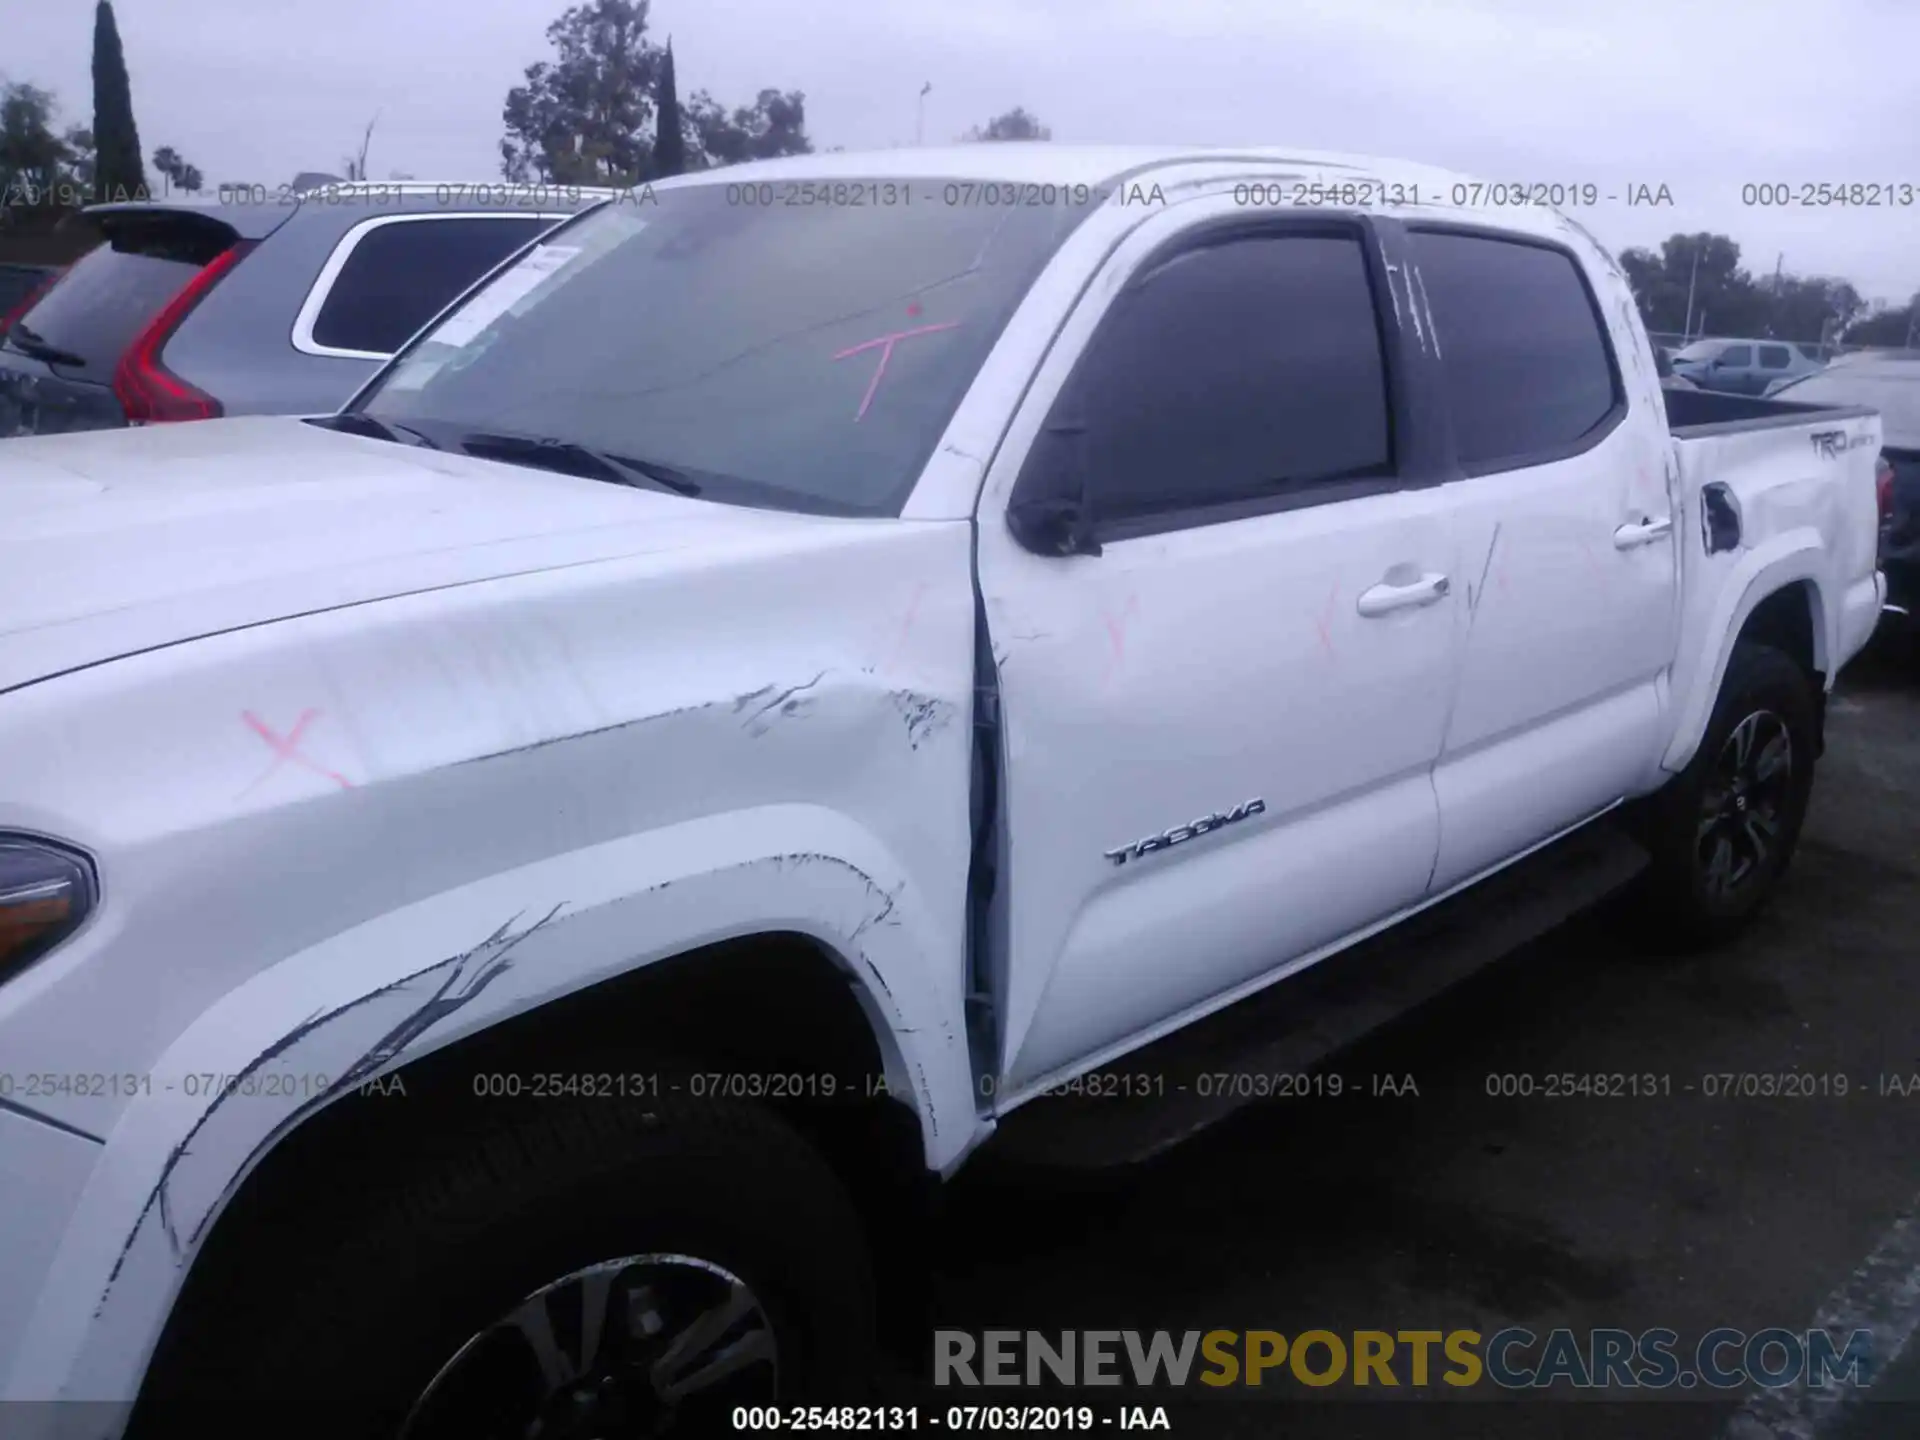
395	988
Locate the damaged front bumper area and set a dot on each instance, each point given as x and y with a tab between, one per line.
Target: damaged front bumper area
44	1165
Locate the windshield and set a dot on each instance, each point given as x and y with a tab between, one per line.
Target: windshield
802	356
1700	350
1894	393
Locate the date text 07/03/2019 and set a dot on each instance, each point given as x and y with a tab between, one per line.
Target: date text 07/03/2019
1022	1419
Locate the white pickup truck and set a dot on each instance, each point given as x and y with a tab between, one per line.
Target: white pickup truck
513	896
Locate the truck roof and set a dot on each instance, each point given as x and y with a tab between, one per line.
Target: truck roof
1113	168
1047	162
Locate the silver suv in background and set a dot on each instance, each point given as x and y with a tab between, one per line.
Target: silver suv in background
254	303
1743	367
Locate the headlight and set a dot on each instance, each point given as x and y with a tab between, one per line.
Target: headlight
46	893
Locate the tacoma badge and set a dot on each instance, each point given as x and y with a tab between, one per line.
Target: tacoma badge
1180	834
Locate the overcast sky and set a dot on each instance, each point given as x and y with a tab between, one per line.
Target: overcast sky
1702	96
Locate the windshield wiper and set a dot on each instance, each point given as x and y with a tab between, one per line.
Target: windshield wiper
30	342
355	422
572	458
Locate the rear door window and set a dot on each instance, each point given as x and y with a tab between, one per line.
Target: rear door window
401	272
1775	357
103	302
1529	370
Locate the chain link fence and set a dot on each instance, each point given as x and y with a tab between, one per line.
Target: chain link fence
1672	340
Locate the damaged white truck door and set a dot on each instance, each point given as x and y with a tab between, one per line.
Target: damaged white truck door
1220	729
1567	534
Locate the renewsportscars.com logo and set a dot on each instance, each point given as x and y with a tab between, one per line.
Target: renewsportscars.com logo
1511	1359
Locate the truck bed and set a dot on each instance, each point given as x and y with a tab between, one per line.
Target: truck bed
1699	414
1770	493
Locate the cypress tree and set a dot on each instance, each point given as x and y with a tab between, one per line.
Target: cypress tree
118	173
669	145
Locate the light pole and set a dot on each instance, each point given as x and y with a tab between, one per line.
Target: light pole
920	119
1694	275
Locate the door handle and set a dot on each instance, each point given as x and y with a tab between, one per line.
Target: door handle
1385	598
1643	532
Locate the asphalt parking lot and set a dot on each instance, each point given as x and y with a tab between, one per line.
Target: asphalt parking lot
1455	1208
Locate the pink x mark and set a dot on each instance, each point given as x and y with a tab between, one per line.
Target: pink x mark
287	747
886	354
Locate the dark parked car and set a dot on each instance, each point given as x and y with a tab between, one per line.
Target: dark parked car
1891	384
17	284
251	303
1742	367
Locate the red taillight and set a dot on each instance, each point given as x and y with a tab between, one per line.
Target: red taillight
149	392
1883	489
31	299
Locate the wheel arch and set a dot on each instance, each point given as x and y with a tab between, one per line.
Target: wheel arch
1775	597
793	888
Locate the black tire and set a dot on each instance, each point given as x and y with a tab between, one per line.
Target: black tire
1680	897
343	1337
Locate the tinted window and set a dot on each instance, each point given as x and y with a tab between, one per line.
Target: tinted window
804	357
401	274
1775	357
1232	372
1527	364
1737	357
17	282
107	297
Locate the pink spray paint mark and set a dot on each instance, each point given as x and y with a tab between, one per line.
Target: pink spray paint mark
287	747
1117	633
906	625
1323	622
886	342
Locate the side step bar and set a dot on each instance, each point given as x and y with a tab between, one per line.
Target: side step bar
1297	1025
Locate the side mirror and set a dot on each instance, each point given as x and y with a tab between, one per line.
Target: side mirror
1049	512
1052	527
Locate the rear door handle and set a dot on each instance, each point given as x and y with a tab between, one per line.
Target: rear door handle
1643	532
1384	598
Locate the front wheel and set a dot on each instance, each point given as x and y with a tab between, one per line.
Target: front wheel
601	1270
1723	831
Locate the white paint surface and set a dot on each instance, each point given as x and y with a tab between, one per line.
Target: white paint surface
362	734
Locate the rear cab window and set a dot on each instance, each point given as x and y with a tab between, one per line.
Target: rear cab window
110	295
396	273
1530	372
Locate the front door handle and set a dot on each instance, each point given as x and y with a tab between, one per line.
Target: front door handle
1385	598
1642	532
